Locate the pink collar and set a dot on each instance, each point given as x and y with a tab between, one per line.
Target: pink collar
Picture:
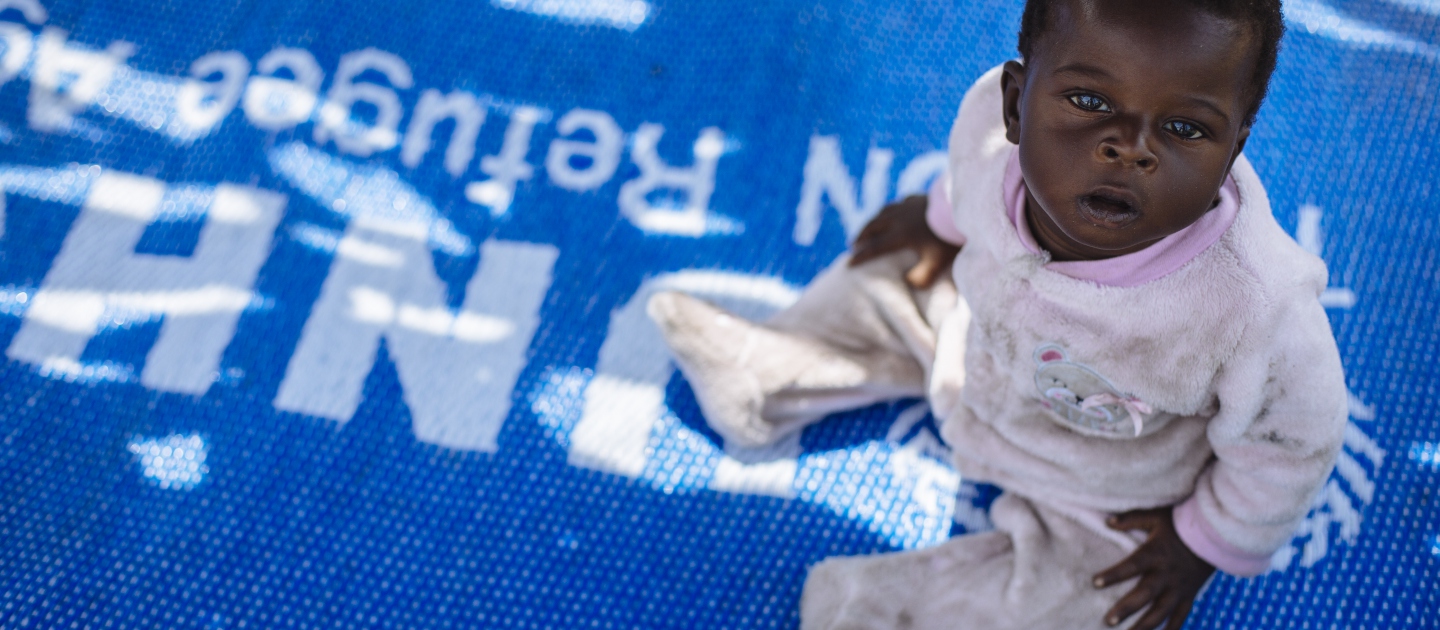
1136	268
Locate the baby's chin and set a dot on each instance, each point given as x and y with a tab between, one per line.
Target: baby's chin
1098	224
1109	240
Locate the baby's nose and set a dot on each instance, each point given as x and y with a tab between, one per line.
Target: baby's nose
1129	153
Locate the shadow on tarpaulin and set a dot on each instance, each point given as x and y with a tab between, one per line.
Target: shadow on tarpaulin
323	315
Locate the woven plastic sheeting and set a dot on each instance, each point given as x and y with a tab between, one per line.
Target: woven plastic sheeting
329	314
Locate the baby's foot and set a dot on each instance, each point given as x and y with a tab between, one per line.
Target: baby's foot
734	365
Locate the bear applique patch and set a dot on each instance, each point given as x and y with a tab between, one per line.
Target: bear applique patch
1084	397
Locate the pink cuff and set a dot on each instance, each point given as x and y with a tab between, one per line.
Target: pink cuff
940	216
1200	536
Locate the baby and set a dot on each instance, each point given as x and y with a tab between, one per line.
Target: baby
1127	343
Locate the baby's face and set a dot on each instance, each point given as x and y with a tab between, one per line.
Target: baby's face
1128	118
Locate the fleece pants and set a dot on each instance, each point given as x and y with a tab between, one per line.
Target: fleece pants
857	336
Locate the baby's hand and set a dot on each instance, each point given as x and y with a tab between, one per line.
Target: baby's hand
901	225
1170	574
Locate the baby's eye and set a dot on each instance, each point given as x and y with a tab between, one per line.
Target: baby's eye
1090	103
1185	130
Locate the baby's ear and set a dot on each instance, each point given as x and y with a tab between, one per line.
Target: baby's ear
1012	85
1239	145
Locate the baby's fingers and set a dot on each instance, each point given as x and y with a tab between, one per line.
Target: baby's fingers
1124	570
935	261
925	272
1137	599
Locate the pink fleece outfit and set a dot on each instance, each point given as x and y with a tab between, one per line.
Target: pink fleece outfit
1129	270
1199	373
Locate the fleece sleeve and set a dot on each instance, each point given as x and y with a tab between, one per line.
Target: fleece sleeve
1276	437
939	215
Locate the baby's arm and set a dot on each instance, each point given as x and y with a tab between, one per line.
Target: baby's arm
906	224
1280	427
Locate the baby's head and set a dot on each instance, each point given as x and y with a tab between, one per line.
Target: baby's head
1129	113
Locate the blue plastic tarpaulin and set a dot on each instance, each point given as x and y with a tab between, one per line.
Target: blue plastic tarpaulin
331	314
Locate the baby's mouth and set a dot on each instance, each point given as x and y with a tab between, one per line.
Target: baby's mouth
1109	211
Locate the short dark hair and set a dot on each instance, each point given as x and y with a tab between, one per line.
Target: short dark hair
1263	17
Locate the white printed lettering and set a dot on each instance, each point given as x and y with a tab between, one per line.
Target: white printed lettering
16	39
33	11
915	178
457	368
201	103
827	176
1308	235
273	103
507	167
200	297
337	120
696	183
18	45
1307	230
468	115
67	79
603	154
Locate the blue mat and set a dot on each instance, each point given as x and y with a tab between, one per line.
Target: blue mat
324	314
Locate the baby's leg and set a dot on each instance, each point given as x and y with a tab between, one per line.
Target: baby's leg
856	336
1032	573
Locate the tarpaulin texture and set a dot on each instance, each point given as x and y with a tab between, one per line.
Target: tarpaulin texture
331	314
